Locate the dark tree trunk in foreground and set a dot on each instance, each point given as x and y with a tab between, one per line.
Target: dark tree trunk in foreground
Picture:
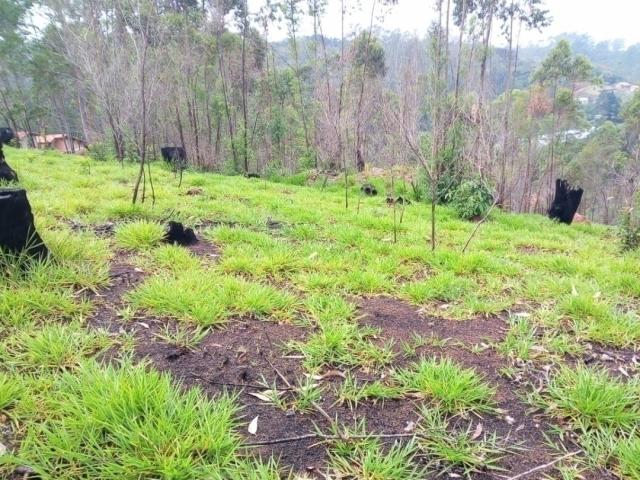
18	233
565	203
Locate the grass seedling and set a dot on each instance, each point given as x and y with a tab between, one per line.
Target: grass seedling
449	450
454	388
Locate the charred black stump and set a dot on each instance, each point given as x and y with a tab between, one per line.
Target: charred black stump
6	135
398	201
369	190
6	172
18	235
176	156
565	202
176	233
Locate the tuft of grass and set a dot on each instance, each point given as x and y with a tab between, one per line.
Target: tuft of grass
367	460
596	320
183	337
444	286
454	388
451	449
139	235
519	340
592	398
52	346
353	392
10	391
172	258
128	421
207	298
325	308
342	344
628	455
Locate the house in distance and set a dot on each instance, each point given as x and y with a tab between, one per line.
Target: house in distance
56	141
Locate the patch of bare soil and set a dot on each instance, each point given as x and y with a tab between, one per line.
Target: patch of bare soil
399	321
245	353
622	362
203	248
516	422
537	250
240	358
122	277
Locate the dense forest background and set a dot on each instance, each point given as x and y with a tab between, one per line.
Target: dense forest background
447	111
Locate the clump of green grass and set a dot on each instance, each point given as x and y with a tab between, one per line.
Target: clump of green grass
19	305
139	235
596	320
352	392
444	286
128	421
366	460
628	455
450	449
342	344
519	340
592	398
208	298
454	388
45	290
10	390
325	308
52	346
182	336
172	258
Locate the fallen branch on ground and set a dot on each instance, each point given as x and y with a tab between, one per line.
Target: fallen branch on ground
325	438
541	467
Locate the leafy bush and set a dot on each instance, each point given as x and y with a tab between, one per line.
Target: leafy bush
446	185
472	199
100	151
630	231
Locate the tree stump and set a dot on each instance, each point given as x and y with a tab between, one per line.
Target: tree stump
6	172
369	190
18	235
176	233
565	202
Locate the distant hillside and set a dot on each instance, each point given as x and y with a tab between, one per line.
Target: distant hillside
613	62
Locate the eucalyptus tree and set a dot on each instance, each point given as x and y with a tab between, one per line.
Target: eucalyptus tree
559	72
14	58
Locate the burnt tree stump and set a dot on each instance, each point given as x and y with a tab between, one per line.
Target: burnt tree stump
565	202
6	172
369	190
18	235
177	233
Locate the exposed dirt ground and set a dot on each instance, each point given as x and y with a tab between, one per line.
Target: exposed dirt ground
246	352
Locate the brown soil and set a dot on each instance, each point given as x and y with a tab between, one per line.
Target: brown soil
246	352
516	422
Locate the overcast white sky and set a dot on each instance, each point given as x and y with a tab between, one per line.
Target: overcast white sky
601	19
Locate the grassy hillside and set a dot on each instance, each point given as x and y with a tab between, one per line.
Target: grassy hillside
297	336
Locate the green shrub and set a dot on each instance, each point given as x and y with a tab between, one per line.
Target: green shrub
472	199
630	230
100	151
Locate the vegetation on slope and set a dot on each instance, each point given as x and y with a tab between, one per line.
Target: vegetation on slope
76	403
